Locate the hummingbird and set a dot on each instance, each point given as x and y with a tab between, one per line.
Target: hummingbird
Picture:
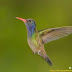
37	39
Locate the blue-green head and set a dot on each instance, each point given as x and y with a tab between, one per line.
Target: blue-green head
30	25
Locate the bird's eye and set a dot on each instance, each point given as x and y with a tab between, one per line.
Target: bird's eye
29	20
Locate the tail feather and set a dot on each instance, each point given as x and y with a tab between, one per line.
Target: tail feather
44	55
48	61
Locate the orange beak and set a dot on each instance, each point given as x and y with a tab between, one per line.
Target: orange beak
24	20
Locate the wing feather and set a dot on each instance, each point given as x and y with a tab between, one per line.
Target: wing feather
50	34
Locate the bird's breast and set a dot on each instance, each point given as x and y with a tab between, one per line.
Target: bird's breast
35	43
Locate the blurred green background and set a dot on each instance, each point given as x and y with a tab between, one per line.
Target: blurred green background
15	54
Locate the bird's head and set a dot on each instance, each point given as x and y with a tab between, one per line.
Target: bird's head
28	22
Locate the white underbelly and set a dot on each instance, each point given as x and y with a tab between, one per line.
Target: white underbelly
32	45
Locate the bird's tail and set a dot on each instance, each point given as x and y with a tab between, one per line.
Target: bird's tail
48	60
44	55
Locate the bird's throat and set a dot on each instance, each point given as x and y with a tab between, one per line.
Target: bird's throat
31	31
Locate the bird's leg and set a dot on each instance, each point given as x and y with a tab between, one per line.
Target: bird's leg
39	52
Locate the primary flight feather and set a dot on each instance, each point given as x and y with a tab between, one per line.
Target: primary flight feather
37	39
50	34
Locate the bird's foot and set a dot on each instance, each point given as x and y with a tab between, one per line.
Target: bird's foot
39	52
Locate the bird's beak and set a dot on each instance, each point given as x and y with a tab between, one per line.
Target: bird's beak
24	20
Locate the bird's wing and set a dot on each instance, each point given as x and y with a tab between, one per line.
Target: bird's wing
50	34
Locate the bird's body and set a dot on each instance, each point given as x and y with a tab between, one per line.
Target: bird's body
35	42
37	39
